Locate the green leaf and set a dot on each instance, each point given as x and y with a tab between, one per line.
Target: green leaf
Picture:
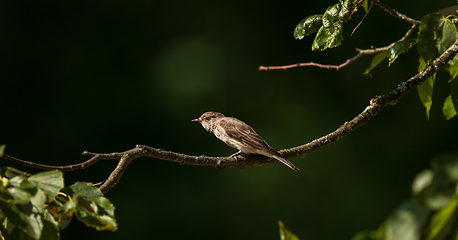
452	68
98	222
346	10
99	214
406	222
18	190
454	93
105	206
328	37
392	54
16	234
307	26
19	195
435	35
10	172
449	109
443	186
50	182
425	90
8	225
50	228
422	181
442	221
375	61
285	234
371	235
29	217
86	190
330	33
400	48
92	208
365	5
328	25
66	215
445	168
2	149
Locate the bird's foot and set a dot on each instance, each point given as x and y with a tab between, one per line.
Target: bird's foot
235	154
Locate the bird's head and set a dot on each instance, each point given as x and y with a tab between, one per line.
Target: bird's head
208	119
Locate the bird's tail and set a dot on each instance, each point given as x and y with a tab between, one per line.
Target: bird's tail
286	162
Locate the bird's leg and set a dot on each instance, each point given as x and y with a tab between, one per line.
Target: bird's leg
237	153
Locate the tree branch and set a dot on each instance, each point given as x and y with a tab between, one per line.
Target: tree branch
242	161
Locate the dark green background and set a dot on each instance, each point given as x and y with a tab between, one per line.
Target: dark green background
103	76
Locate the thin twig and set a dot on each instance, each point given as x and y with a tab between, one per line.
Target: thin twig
60	168
362	20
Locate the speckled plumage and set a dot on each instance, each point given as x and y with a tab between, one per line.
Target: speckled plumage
239	135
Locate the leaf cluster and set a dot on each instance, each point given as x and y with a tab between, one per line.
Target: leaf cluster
329	26
431	213
39	206
435	34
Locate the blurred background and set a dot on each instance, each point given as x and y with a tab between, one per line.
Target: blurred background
103	76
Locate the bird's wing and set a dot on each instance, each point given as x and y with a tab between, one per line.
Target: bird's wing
243	133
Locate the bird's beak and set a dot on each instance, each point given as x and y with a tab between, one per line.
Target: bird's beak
196	120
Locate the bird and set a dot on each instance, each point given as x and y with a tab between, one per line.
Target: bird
239	135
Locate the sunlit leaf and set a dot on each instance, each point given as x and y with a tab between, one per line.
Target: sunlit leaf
445	167
8	225
2	149
86	190
422	181
371	235
406	222
346	10
443	186
365	5
90	207
19	195
307	26
391	54
19	190
29	217
10	172
452	68
442	221
66	215
449	109
285	234
105	206
330	33
375	61
99	222
50	182
425	92
454	93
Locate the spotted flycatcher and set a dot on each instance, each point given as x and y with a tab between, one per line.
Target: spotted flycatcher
239	135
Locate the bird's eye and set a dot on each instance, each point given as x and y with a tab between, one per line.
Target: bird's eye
208	118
